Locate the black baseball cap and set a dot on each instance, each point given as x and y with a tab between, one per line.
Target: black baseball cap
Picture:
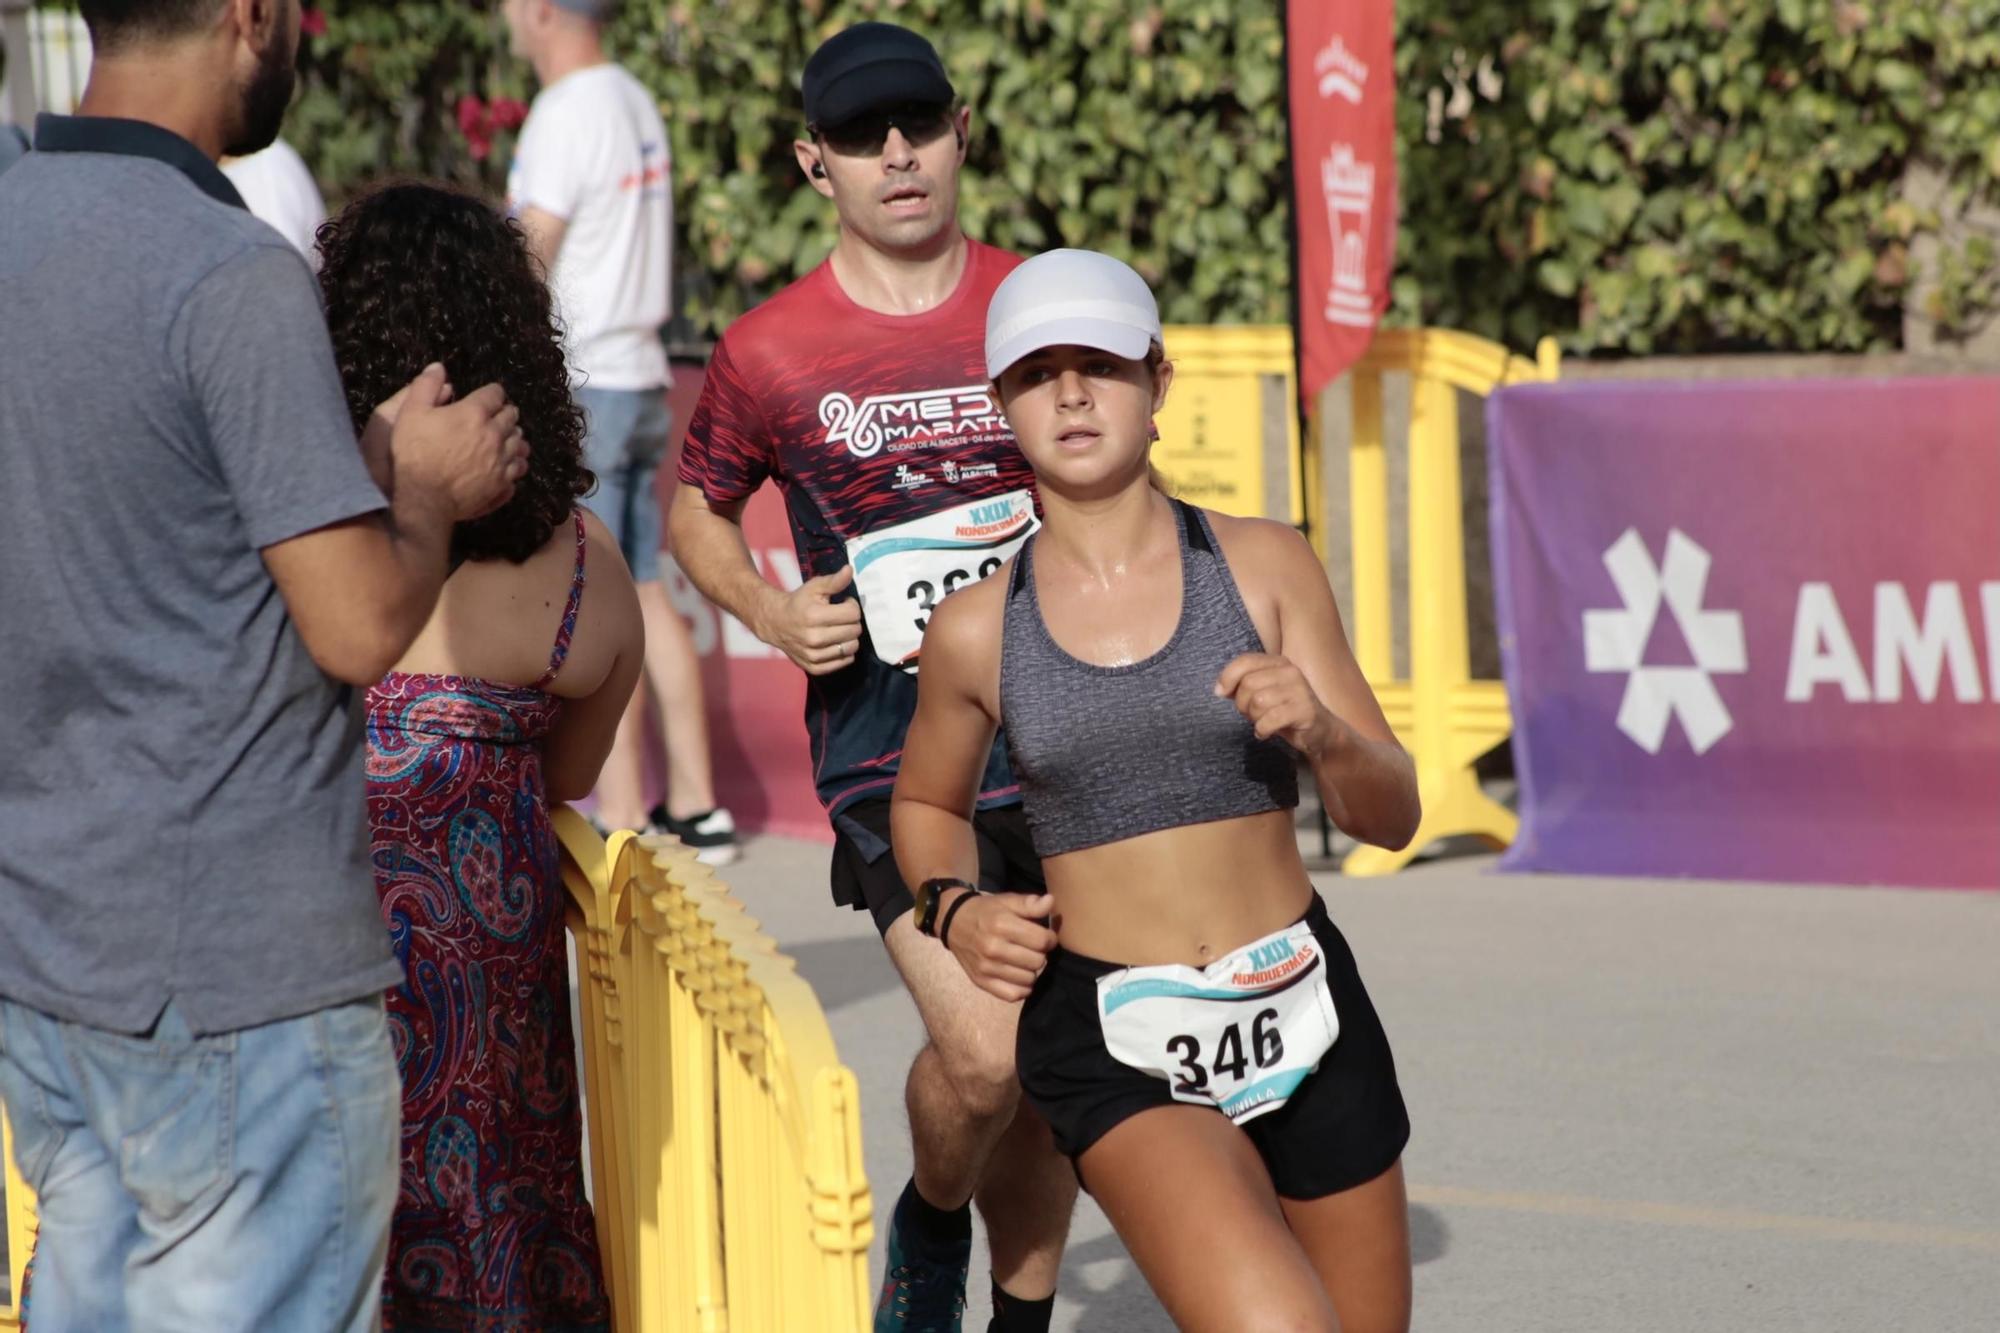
872	65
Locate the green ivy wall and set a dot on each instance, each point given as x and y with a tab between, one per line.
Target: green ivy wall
1631	175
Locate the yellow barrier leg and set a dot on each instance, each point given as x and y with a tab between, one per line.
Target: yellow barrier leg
1439	656
20	1230
843	1212
664	1246
591	919
1368	531
697	1161
749	1286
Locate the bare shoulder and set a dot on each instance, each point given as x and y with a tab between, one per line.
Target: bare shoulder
608	623
1262	549
604	569
966	625
962	642
599	545
1278	574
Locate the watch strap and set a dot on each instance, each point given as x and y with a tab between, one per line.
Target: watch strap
944	926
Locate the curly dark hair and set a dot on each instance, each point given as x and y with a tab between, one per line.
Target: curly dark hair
415	273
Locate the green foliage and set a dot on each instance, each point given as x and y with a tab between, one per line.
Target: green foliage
379	87
1691	175
1154	131
1632	175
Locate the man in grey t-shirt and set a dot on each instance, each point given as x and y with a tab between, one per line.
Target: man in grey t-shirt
199	571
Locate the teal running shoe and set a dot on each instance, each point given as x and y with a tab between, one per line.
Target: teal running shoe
920	1294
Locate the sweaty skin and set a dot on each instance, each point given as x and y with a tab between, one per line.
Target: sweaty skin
1108	576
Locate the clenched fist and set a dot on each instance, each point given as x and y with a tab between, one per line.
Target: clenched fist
1275	695
1001	942
812	629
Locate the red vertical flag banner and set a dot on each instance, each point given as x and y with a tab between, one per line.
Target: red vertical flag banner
1339	64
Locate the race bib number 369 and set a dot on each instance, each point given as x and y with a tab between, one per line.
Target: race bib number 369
901	573
1240	1035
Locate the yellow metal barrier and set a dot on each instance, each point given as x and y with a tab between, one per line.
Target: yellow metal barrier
1229	413
20	1231
725	1133
1219	430
1446	718
599	923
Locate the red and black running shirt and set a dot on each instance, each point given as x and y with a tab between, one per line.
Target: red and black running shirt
864	421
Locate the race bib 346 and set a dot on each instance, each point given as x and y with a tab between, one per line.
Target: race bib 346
1240	1035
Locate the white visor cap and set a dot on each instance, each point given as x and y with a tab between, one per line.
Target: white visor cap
1068	298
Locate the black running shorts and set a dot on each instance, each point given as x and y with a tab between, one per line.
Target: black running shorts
1345	1125
1007	861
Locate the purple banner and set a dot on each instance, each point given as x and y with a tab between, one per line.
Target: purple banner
1752	630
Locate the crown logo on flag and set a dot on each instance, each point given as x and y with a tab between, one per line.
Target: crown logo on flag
1340	71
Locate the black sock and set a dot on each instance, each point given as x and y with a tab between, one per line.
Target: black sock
932	1233
1011	1314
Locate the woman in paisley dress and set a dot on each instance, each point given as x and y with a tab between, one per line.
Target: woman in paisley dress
507	702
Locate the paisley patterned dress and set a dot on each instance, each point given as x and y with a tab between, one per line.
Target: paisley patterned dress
492	1231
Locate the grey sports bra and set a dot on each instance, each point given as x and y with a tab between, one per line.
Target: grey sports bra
1105	753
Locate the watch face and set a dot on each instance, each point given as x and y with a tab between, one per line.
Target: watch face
928	895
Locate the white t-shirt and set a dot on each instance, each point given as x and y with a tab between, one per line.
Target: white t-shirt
594	153
279	191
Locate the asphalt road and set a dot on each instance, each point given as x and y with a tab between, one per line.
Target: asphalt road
1638	1105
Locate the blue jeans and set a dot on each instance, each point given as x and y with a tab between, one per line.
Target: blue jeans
626	434
240	1181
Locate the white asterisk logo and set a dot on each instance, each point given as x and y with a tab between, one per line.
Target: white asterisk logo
1616	641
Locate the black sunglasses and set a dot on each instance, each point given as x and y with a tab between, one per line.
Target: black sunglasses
867	134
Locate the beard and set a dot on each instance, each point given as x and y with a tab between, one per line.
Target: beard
265	101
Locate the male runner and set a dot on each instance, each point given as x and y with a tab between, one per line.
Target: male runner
861	390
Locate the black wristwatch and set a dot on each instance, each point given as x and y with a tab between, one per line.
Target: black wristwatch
929	894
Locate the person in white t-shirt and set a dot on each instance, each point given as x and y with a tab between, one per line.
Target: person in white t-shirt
590	184
278	189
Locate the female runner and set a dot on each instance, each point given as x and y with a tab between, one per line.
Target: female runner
1194	1029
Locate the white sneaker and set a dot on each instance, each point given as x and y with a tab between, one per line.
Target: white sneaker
712	834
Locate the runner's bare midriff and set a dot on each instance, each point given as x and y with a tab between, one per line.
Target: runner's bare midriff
1182	895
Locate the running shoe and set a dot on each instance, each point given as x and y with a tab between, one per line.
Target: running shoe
921	1296
711	833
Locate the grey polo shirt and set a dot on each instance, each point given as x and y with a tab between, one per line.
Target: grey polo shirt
182	801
